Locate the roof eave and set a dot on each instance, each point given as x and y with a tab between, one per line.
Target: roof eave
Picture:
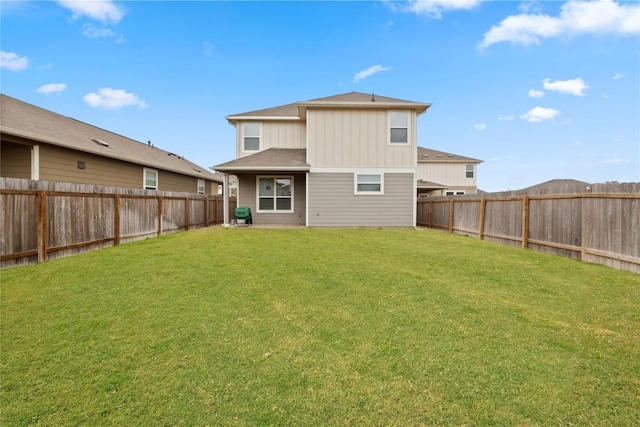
237	118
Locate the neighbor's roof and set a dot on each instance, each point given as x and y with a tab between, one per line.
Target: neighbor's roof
429	185
297	111
272	159
427	155
24	120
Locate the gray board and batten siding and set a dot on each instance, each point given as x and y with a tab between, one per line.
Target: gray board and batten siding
332	201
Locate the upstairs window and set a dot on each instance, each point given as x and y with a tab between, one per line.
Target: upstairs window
469	171
369	183
150	179
275	194
201	186
251	137
398	127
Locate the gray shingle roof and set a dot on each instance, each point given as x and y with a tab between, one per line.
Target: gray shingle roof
25	120
272	159
427	155
294	109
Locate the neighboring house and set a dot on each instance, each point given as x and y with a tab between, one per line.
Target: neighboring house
446	174
344	160
42	145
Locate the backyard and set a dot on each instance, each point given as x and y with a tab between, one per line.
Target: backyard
319	327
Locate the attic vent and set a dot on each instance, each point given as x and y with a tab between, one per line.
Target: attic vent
439	155
100	142
425	155
172	154
450	155
197	170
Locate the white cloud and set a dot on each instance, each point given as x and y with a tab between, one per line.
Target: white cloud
618	76
13	61
369	72
536	93
434	8
113	99
100	33
52	88
480	126
539	114
573	87
100	10
507	118
576	17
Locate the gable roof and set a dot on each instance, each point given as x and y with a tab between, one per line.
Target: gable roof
272	159
297	110
27	121
427	155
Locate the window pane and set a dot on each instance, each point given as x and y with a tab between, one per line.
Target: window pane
266	204
283	204
252	129
369	178
150	179
266	187
399	119
369	187
283	187
399	135
251	143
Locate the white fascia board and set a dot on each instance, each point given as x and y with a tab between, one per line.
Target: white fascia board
232	119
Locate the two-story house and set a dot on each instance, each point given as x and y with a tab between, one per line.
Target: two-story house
446	174
344	160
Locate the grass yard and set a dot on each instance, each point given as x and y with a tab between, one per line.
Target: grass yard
319	327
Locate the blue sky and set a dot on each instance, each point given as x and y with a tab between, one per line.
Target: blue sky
537	89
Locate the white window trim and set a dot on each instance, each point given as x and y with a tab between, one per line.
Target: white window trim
144	178
274	177
368	193
399	144
242	136
201	184
473	171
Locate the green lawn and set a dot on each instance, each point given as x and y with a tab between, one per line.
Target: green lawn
309	327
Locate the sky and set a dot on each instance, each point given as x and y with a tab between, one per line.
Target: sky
538	90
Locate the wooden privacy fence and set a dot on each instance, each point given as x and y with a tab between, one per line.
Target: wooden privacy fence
46	220
598	228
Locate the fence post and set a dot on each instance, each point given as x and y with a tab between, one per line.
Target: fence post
42	226
525	222
116	220
583	226
483	207
215	211
160	202
186	213
430	214
451	217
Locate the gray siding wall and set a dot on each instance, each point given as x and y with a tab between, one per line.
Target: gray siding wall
247	198
332	202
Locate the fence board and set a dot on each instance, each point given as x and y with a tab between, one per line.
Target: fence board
43	220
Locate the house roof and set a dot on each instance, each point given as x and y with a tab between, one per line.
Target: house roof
27	121
429	185
297	110
272	159
427	155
